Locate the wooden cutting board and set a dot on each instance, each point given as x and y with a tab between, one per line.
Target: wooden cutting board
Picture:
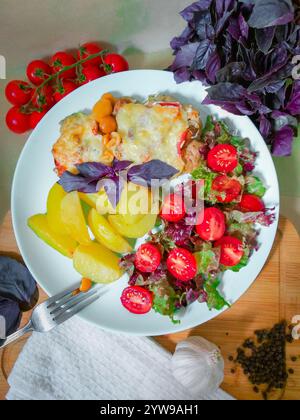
274	296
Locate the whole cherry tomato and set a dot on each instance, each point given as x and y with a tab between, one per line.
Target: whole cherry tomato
59	61
35	117
91	73
43	99
37	71
18	92
115	63
17	121
88	49
67	86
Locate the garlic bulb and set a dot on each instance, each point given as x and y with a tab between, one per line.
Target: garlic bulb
198	365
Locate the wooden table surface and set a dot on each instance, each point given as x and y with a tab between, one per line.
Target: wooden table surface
274	296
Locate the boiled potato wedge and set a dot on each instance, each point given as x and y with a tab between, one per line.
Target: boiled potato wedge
97	263
135	231
106	234
55	197
90	199
61	243
73	218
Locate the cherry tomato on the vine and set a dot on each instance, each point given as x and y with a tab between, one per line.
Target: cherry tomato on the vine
35	117
18	92
88	49
59	61
115	63
37	71
17	121
67	86
43	99
91	73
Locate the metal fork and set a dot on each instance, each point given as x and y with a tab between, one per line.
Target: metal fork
55	311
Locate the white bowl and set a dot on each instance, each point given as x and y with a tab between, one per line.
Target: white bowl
34	176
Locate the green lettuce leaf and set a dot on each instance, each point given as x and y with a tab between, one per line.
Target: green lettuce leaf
214	299
164	299
208	259
205	174
254	185
243	263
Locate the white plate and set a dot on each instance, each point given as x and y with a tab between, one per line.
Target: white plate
34	177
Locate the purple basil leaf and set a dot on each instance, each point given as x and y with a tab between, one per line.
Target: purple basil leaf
201	76
293	105
227	92
16	283
234	29
282	119
182	75
113	188
270	13
185	56
202	24
121	165
232	72
283	142
223	6
183	39
265	126
203	53
10	311
94	170
71	182
264	38
244	28
154	170
198	6
213	66
275	86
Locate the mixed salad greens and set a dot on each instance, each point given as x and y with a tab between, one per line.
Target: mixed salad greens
183	261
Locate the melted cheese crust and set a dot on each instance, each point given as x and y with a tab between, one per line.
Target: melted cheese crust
151	132
79	142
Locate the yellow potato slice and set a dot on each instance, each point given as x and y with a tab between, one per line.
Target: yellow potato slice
55	197
73	218
97	263
61	243
106	234
138	230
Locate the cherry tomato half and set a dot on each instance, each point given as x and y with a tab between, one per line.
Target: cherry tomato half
231	250
173	209
66	87
251	203
223	158
229	188
37	71
62	59
147	258
137	300
18	92
212	224
88	49
182	264
17	121
115	63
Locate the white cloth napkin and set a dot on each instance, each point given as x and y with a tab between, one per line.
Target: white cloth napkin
78	361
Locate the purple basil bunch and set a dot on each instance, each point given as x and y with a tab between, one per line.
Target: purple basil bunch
244	50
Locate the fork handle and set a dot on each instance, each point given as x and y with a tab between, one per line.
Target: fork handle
18	334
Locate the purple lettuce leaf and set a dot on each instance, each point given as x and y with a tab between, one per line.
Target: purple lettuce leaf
154	170
283	142
270	13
